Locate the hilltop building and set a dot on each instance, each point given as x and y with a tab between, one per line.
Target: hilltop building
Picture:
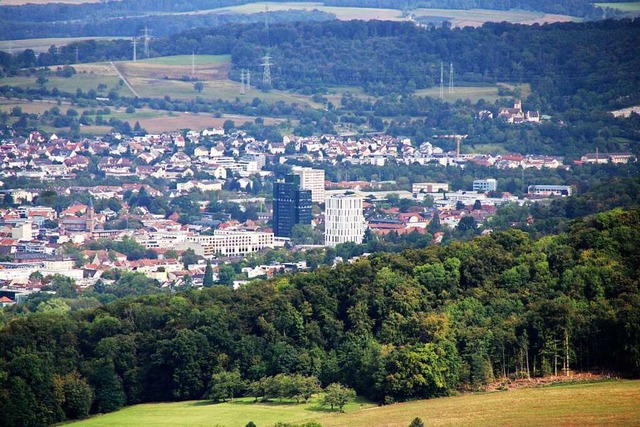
518	115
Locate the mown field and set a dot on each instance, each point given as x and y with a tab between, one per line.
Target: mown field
629	7
472	17
611	403
475	93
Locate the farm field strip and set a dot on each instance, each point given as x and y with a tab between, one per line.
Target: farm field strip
43	45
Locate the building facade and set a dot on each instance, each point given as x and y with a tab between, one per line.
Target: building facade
312	179
291	206
429	187
344	220
231	243
550	190
485	185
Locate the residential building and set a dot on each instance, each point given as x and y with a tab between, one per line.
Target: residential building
312	179
485	185
291	206
344	220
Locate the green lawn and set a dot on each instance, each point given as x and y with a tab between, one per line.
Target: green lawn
611	403
83	81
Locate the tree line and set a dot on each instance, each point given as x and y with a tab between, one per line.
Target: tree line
392	326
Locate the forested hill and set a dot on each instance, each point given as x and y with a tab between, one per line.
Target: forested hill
416	324
590	66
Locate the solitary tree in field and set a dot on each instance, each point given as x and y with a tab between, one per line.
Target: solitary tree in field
417	422
198	87
337	395
225	385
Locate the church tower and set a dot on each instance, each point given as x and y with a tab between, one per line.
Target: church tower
91	216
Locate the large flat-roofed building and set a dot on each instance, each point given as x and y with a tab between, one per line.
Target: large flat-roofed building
231	243
312	179
291	206
429	187
549	190
485	185
344	220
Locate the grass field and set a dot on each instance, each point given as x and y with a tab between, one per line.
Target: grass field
474	93
632	7
611	403
43	45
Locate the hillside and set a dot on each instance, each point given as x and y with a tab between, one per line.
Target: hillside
394	327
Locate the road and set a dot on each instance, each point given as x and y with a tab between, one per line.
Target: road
124	80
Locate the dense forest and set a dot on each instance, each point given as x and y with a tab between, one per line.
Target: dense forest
393	326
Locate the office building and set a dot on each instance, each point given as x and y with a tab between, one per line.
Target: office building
312	179
344	220
485	185
291	206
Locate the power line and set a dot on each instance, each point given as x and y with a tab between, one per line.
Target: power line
441	80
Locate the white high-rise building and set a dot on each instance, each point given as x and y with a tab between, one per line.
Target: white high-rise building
311	179
344	220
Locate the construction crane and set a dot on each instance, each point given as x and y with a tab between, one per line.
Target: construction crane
458	139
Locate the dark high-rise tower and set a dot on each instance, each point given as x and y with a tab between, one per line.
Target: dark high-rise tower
291	206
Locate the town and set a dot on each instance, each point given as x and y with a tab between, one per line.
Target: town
48	229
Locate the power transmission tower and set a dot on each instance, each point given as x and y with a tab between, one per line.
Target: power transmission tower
135	48
451	78
242	77
441	80
77	55
266	72
193	63
248	80
147	39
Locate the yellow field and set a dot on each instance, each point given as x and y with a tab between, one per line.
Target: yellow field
154	121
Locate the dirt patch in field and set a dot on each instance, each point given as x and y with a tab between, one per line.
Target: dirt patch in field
195	122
